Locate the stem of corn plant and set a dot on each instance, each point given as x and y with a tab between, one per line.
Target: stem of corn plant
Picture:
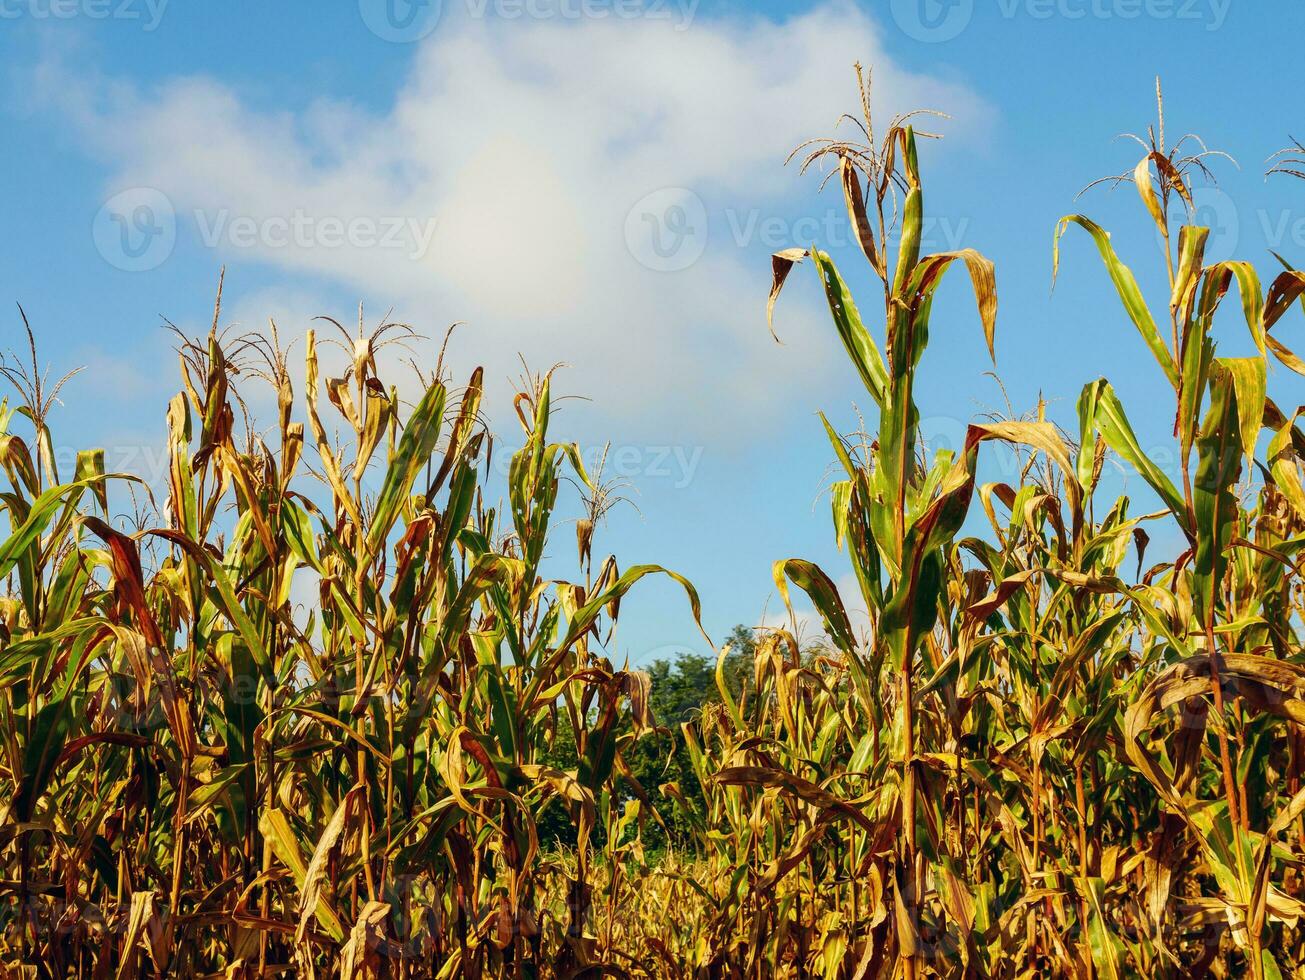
1080	800
911	898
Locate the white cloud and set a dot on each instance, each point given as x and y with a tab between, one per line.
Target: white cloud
526	144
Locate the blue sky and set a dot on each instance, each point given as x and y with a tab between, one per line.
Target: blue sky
509	163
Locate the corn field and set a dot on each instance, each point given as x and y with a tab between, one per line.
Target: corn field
1035	755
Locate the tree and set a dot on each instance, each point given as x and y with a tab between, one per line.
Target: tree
680	689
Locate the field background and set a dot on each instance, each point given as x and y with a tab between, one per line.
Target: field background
355	643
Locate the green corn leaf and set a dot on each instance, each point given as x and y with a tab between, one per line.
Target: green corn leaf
1130	294
1113	425
420	435
858	343
1213	499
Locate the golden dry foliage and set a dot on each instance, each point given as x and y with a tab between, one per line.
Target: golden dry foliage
1032	759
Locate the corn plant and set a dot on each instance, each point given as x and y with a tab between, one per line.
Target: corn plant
205	781
990	747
